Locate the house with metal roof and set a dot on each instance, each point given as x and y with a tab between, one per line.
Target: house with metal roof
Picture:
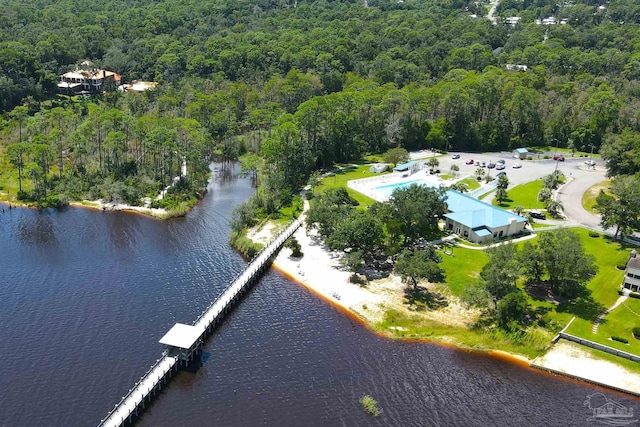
406	169
478	221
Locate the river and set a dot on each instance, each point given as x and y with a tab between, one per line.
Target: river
85	296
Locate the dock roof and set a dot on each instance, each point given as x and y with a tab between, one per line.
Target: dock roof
181	336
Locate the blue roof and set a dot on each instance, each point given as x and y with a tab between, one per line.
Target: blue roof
405	166
474	213
481	232
522	150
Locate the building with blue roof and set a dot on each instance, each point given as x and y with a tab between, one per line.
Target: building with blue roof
478	221
520	153
408	168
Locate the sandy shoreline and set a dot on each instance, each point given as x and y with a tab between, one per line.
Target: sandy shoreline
120	207
319	270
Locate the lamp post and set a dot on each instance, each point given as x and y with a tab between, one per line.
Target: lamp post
591	163
555	155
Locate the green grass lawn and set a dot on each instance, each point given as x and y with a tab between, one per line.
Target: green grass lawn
340	177
463	268
471	183
524	195
608	253
617	323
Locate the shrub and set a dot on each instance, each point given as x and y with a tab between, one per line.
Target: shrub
370	405
621	267
296	249
546	156
594	234
620	339
636	332
634	295
244	245
529	158
620	292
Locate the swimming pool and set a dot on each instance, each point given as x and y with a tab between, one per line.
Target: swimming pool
389	188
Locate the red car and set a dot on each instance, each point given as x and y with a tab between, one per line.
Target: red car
469	162
559	158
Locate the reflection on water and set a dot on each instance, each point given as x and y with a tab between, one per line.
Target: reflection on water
85	296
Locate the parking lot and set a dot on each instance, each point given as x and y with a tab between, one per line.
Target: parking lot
530	170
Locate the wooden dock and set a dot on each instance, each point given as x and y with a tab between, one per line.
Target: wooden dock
131	405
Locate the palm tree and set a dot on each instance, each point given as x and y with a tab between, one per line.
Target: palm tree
554	208
544	195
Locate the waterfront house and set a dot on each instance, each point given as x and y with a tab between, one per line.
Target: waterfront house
478	221
520	153
407	169
82	81
632	274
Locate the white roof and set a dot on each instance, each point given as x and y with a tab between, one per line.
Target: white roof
181	336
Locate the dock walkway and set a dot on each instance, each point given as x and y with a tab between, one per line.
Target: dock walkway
149	384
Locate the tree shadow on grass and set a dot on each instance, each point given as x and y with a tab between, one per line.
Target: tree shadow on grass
505	202
421	299
582	306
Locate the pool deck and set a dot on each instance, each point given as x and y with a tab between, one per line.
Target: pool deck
369	186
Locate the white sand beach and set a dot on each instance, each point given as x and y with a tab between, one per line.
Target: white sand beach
320	271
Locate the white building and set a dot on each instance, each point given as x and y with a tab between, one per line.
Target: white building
632	274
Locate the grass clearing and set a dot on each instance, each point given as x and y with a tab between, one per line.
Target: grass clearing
463	268
589	196
339	178
524	195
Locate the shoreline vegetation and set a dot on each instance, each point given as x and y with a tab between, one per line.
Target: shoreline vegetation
100	205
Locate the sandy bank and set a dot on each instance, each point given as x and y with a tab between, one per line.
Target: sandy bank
320	271
100	205
572	359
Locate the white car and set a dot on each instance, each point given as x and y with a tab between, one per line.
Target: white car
589	162
455	156
516	166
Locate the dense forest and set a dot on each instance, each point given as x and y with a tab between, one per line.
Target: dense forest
300	85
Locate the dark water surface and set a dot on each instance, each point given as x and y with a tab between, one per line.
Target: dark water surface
85	296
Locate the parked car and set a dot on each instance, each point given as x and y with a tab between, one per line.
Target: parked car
500	162
516	165
589	162
477	163
558	158
455	156
499	166
484	164
537	215
499	174
491	165
469	162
